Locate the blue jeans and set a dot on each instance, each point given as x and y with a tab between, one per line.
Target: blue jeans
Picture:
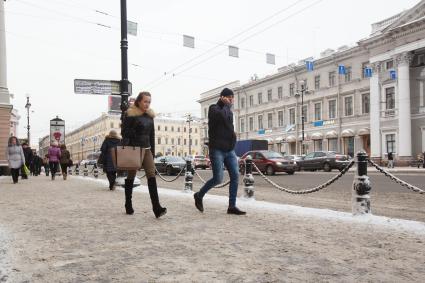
218	158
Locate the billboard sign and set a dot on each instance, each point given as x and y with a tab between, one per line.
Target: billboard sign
57	130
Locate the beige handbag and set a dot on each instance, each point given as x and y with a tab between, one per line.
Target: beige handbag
127	157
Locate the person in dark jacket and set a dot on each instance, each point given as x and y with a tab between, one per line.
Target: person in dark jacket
64	160
28	158
138	129
36	163
390	160
111	141
222	140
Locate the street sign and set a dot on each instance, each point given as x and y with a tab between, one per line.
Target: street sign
98	87
132	28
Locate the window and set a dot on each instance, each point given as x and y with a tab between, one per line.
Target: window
333	144
389	65
178	141
390	140
280	92
178	129
317	111
251	100
159	140
196	130
172	141
280	118
242	125
251	123
348	74
270	120
112	124
318	145
166	128
317	82
332	109
166	140
260	97
331	79
291	89
304	113
172	128
348	103
260	122
292	116
269	95
364	66
389	98
184	142
196	142
365	103
243	102
184	129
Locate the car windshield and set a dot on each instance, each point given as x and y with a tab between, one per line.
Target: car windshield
200	157
288	157
175	159
272	154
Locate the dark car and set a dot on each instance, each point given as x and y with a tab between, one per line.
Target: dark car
295	158
269	162
170	165
324	160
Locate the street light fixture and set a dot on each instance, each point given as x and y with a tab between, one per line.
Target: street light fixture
27	106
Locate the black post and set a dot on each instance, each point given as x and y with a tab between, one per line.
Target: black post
27	106
188	179
361	163
124	61
248	179
361	186
302	118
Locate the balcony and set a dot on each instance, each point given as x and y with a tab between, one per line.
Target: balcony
389	113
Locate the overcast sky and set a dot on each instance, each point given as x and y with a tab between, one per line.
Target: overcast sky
52	42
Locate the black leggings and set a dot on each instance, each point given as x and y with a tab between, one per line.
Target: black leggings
64	168
15	174
53	167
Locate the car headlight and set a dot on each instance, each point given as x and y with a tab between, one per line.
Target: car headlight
176	166
279	163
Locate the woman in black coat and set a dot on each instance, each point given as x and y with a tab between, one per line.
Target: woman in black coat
138	129
111	141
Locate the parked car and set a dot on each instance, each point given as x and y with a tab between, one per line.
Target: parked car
324	160
295	158
170	165
200	161
268	162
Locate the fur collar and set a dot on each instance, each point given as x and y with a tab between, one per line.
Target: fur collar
135	111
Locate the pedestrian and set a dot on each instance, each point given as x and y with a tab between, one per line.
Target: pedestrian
15	157
64	160
111	141
46	164
36	164
28	158
222	140
390	160
138	129
54	153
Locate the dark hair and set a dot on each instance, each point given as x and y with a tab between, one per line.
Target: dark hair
140	97
9	142
63	146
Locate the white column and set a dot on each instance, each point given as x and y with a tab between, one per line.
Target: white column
4	93
375	112
404	122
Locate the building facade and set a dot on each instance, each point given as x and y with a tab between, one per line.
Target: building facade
365	97
171	136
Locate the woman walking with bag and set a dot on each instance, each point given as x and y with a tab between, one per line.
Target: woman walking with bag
15	156
111	141
64	160
138	130
54	156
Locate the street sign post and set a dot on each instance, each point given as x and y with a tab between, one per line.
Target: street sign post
98	87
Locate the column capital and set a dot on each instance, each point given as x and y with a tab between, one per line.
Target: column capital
376	67
403	59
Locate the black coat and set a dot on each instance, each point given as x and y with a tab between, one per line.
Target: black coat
138	129
28	156
221	132
108	143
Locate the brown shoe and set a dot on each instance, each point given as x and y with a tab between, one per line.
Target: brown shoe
236	211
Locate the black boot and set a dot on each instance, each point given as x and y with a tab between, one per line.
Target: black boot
128	189
153	192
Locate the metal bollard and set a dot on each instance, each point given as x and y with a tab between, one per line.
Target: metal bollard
248	179
361	187
77	169
188	178
95	171
85	170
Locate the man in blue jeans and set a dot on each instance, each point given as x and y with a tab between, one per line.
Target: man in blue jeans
222	140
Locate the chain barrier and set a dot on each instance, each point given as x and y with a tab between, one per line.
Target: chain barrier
395	179
309	190
217	186
170	180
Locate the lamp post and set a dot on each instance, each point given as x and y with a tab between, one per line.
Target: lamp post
189	119
27	106
303	89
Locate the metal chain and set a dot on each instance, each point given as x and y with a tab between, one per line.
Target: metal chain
170	180
309	190
218	186
395	179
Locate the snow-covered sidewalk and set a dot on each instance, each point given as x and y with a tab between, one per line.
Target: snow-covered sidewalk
77	231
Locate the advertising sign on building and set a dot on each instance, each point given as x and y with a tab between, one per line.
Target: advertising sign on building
57	130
